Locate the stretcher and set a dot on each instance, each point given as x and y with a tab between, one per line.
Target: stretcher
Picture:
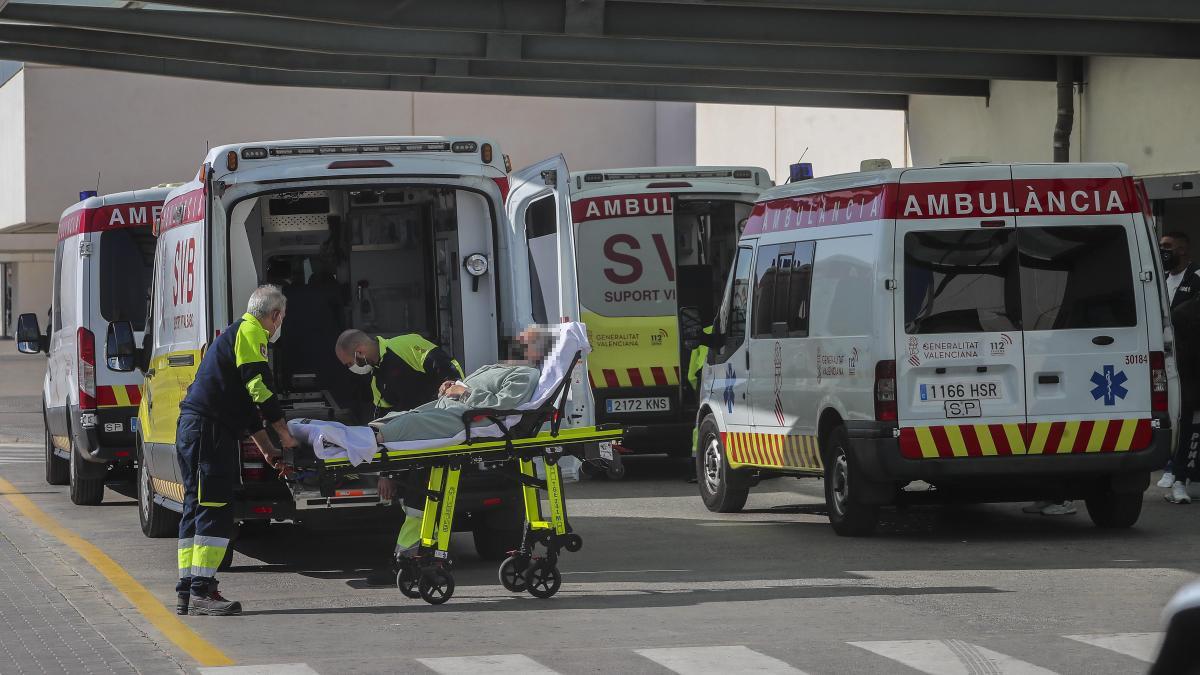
513	437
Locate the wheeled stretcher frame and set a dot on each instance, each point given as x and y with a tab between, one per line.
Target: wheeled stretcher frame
429	574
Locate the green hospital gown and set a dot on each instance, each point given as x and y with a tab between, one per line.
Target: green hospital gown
493	386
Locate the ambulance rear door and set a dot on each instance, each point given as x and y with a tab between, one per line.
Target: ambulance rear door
544	274
959	356
627	294
1084	307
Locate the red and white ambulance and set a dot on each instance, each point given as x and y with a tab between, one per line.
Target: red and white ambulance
652	247
102	270
999	332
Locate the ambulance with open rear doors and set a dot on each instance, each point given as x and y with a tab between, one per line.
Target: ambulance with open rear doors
986	332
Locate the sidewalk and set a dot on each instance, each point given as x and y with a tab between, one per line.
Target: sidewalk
52	620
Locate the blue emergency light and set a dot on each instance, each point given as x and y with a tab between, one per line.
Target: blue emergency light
801	171
86	194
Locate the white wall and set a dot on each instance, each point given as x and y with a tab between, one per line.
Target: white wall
774	137
32	290
12	150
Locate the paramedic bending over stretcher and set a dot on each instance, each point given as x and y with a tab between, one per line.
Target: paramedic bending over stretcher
498	386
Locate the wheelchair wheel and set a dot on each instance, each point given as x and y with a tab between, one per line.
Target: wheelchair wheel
407	580
573	543
544	579
436	586
512	574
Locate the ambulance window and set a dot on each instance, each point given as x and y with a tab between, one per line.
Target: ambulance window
732	317
126	263
541	228
781	294
958	281
56	310
1076	277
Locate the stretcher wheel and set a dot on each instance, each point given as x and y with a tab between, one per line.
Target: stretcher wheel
573	543
407	581
512	574
544	579
436	586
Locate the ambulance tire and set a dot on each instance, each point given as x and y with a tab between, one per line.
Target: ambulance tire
58	470
848	516
85	491
720	487
158	522
1114	510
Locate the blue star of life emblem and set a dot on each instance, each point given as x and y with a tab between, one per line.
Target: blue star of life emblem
728	395
1109	385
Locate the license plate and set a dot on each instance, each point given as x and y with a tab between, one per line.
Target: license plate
632	405
961	391
969	408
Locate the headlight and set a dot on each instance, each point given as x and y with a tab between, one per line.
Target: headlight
476	264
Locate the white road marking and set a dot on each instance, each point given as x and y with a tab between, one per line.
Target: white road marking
950	657
714	660
265	669
497	664
624	572
1141	646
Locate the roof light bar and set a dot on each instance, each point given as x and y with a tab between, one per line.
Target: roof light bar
288	151
254	153
464	146
662	174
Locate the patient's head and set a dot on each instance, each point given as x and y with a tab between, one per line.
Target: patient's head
537	340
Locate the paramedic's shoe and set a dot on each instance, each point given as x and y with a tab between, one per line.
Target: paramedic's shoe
1167	480
1179	494
214	604
1063	509
181	603
1037	507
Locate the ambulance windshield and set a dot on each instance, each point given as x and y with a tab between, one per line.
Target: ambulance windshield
126	265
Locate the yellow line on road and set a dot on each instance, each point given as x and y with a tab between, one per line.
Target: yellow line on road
167	623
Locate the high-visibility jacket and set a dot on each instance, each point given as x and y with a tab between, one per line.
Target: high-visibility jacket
410	371
234	384
696	362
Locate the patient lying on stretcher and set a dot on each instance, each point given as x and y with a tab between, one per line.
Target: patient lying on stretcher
501	386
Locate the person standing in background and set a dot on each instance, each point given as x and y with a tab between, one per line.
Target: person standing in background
1183	289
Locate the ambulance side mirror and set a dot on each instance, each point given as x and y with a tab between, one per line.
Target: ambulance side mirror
29	335
119	347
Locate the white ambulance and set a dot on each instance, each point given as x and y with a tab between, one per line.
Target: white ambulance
653	246
102	269
998	332
390	235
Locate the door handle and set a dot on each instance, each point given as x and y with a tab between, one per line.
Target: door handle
747	352
1047	379
1102	340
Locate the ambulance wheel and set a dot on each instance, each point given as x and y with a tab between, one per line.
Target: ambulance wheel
544	579
512	574
1113	510
713	473
436	586
848	516
158	522
407	581
85	491
58	470
573	543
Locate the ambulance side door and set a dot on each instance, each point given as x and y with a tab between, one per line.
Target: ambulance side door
728	369
533	190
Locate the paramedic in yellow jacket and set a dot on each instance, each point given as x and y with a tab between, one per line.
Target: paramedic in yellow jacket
406	371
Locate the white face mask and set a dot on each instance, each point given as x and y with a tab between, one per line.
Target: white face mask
276	334
357	368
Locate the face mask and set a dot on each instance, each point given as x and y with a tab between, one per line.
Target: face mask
357	368
1169	259
278	332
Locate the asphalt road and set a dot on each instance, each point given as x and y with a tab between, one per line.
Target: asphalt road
661	585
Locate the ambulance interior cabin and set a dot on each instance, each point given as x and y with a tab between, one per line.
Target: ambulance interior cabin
381	259
706	237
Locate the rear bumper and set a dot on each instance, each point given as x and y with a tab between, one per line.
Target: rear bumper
877	454
105	435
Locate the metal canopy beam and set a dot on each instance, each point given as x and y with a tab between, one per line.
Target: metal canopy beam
741	23
343	39
236	55
458	85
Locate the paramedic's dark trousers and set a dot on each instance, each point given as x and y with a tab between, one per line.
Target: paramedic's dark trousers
1183	460
208	462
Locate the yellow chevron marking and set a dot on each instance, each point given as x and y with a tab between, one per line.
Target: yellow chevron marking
1096	440
1070	433
986	445
1125	439
925	440
1015	442
1041	433
957	446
